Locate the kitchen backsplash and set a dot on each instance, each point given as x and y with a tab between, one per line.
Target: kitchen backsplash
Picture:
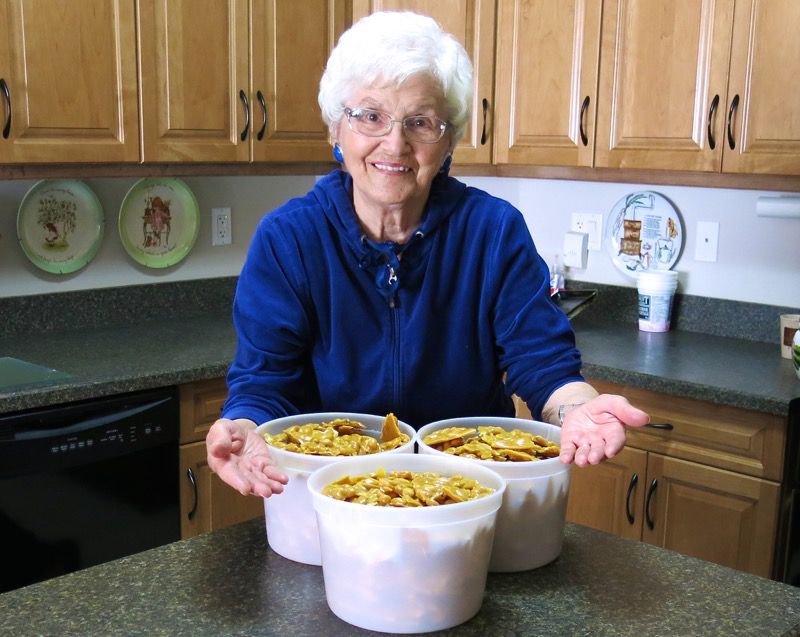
107	307
757	262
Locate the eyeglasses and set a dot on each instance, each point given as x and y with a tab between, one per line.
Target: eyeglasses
418	128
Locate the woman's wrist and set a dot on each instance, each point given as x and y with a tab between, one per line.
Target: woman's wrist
565	398
564	408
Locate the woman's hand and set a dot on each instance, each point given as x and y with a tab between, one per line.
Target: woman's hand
238	455
595	430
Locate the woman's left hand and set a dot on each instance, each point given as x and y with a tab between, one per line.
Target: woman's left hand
595	430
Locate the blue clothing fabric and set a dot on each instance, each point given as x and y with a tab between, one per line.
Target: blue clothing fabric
328	320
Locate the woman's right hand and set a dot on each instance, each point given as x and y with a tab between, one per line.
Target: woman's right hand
240	457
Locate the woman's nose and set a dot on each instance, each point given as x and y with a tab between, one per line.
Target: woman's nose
396	137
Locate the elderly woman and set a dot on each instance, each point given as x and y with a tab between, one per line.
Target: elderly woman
394	287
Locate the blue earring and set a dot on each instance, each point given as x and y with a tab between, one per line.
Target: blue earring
337	153
446	165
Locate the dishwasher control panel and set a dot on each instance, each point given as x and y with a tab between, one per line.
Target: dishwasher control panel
133	435
89	431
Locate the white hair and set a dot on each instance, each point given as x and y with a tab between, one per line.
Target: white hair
386	49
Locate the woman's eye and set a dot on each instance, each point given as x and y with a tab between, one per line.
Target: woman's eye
372	117
421	122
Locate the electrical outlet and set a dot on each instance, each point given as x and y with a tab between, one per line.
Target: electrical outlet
590	224
221	226
707	244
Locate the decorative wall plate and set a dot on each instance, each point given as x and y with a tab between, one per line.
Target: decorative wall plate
60	225
159	221
644	231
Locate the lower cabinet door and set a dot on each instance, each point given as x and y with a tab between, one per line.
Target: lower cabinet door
609	496
710	513
207	503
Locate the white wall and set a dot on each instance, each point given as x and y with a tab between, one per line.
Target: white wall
248	197
758	261
758	257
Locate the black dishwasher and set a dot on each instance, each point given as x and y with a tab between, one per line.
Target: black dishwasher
87	482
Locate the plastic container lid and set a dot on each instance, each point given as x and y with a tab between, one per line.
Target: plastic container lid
658	280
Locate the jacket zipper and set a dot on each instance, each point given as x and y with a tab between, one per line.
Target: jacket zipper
395	318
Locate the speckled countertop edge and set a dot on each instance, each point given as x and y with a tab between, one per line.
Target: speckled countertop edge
177	348
228	582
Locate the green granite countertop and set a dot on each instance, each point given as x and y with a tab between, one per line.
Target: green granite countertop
724	370
103	361
229	582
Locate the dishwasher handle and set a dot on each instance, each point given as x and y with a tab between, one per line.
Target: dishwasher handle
23	431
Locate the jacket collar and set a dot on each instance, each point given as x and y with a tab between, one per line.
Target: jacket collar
335	194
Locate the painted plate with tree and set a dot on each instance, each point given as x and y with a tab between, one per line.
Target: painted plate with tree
60	225
644	232
159	221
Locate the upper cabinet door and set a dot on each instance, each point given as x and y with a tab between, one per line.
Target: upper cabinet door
472	22
68	81
546	89
763	108
195	99
663	81
291	42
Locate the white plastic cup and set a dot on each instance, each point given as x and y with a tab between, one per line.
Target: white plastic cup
656	292
289	516
405	570
790	323
530	524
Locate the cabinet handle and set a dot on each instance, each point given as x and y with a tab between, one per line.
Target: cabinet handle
7	97
660	425
246	106
712	143
193	482
584	108
263	103
631	487
731	111
648	518
485	104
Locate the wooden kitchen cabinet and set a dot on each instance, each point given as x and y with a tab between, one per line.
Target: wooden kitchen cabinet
472	22
237	81
547	61
663	84
765	65
607	496
68	82
206	502
701	86
709	486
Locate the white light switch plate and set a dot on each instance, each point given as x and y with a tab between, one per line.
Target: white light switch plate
591	224
707	243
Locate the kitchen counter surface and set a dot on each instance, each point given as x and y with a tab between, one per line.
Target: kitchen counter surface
104	361
229	582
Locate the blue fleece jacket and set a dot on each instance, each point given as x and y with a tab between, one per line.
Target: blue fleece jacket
330	321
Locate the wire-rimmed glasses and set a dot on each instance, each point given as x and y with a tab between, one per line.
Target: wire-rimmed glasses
372	123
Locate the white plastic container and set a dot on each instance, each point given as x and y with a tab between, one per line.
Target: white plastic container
405	570
656	291
530	525
289	516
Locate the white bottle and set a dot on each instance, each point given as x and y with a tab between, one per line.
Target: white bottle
557	281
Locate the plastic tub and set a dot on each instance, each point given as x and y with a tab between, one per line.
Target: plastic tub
405	570
656	291
530	524
289	516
